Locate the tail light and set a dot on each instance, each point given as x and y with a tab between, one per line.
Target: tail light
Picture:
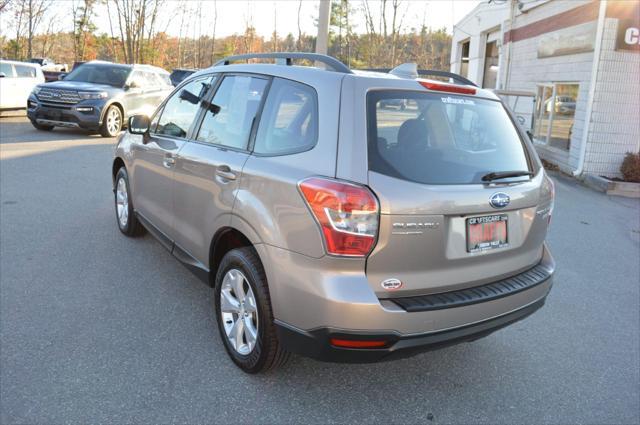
552	189
347	214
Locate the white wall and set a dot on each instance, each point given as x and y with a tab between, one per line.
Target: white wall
614	127
526	71
615	120
474	27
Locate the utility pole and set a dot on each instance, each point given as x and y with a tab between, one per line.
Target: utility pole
323	27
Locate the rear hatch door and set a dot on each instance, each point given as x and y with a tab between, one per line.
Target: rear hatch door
445	224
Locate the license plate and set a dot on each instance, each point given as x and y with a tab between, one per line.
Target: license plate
53	115
488	232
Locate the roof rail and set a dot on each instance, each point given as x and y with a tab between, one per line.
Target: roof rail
333	63
458	79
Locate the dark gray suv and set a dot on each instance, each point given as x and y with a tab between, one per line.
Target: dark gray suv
98	96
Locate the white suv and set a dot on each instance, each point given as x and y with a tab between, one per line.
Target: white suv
17	80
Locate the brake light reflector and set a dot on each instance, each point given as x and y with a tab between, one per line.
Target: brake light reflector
349	343
447	87
347	214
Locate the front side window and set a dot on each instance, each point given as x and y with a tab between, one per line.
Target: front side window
289	121
229	117
25	71
441	138
181	109
6	69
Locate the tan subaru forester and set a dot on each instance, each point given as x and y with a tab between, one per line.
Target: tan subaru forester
342	215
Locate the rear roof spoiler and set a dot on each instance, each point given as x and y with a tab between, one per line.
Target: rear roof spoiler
410	70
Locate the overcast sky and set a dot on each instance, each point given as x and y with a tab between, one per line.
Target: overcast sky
233	14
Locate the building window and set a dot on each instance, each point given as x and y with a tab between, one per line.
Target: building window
555	113
491	59
464	59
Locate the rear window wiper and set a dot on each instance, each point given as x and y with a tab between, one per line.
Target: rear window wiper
504	175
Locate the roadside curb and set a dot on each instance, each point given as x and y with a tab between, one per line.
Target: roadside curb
611	187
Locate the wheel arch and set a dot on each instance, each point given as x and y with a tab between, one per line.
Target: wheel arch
225	239
117	164
122	112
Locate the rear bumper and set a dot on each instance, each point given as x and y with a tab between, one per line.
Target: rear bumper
317	343
315	300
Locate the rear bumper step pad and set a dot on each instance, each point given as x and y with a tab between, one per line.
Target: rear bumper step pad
477	294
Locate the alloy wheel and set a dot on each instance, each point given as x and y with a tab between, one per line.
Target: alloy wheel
239	312
122	203
114	121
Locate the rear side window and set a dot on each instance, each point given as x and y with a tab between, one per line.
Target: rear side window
164	79
289	121
25	71
441	138
229	117
181	109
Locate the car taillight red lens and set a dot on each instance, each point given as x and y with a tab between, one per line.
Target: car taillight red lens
347	214
447	87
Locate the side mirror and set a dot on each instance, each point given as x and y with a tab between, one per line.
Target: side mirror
2	75
139	124
133	84
62	76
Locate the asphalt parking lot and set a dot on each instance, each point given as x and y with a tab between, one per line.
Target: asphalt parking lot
96	327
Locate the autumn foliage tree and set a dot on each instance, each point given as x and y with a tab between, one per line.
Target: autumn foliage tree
363	34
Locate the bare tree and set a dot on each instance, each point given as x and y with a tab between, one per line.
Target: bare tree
4	5
53	27
299	42
29	13
136	22
19	21
81	12
249	30
274	35
383	14
395	29
213	36
183	8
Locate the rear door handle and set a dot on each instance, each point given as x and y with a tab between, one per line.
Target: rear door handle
169	162
225	173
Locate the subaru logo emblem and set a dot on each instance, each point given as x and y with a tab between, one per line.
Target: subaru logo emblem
499	200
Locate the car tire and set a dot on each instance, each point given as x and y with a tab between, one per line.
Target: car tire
112	122
247	313
125	217
42	127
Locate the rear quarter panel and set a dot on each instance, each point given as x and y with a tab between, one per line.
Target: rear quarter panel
268	200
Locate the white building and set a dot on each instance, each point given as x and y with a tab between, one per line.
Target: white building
580	62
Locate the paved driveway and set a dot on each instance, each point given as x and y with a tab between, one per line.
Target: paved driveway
95	327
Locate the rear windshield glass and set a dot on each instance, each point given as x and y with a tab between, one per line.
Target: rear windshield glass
112	75
441	138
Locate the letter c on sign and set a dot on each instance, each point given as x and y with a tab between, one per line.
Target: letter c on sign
632	36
